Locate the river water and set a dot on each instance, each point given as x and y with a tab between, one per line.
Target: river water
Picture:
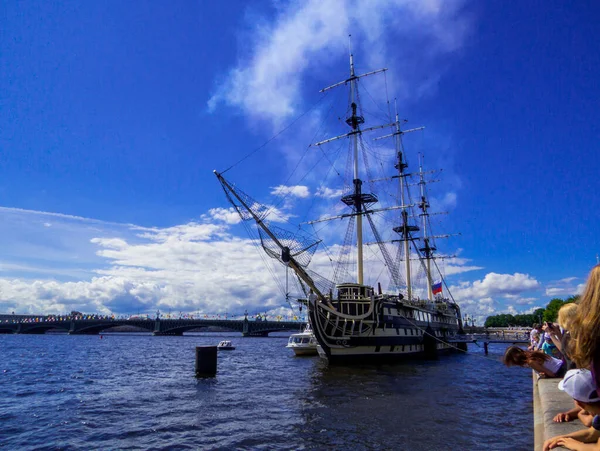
133	391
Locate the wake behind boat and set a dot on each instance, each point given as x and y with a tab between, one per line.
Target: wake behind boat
352	320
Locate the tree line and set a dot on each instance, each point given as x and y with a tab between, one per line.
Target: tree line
539	315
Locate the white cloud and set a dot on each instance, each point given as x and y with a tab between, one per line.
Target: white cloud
496	285
165	273
329	193
126	268
191	231
457	265
189	267
195	266
555	292
70	272
449	200
525	301
227	215
564	288
71	218
309	35
296	191
483	298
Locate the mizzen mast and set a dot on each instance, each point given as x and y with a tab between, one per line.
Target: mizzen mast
427	248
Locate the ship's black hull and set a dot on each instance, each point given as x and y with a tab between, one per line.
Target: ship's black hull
388	334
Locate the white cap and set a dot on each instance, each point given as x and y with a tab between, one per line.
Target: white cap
579	384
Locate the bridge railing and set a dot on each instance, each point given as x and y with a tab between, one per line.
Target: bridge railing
16	319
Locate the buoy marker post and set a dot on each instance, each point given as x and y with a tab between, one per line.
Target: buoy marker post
206	361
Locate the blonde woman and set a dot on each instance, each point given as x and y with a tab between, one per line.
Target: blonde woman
561	336
585	328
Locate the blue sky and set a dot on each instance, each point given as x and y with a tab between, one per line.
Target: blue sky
114	114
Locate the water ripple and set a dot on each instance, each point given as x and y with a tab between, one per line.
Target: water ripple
138	392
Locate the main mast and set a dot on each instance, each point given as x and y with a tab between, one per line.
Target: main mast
354	121
358	201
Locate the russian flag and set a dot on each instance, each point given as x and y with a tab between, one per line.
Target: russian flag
436	288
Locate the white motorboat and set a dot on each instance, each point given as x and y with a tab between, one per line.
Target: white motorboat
303	343
225	345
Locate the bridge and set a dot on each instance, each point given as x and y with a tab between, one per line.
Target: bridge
72	326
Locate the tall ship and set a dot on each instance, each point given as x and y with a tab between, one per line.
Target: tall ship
353	320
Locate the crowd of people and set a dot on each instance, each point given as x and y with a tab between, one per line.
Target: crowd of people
570	349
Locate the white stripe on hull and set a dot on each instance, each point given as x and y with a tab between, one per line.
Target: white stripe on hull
415	349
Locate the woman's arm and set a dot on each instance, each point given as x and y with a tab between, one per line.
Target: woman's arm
556	335
589	435
540	369
571	443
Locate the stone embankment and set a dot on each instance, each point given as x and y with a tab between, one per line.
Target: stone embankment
548	401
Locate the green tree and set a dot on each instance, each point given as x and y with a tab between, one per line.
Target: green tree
552	308
491	321
527	320
574	298
502	320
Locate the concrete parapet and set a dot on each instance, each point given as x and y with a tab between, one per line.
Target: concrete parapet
548	401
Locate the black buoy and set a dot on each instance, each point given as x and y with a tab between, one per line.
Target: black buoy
206	361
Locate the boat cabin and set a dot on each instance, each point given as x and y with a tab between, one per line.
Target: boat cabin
225	345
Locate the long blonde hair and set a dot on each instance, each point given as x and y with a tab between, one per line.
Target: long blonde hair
566	315
585	328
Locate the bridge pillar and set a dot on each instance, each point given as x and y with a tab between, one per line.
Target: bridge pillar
19	329
245	328
156	327
72	328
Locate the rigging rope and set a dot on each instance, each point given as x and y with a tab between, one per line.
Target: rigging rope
314	105
284	198
445	342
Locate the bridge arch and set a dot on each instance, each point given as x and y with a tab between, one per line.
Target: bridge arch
41	328
82	328
178	327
